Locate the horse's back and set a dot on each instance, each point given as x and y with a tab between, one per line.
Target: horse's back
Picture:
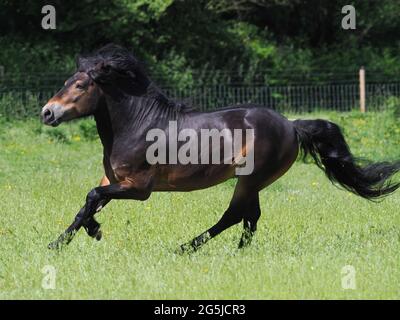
252	116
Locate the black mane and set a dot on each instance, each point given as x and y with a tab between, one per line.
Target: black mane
116	66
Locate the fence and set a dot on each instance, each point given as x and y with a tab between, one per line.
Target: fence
291	98
23	96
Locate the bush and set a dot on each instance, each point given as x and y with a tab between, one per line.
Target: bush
19	105
392	104
71	132
88	129
59	135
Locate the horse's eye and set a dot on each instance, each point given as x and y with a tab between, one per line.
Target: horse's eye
79	86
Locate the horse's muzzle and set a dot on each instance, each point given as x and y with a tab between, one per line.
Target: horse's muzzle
51	114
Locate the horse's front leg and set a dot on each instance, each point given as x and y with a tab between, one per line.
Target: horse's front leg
129	189
91	226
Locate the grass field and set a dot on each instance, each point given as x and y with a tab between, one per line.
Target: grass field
308	232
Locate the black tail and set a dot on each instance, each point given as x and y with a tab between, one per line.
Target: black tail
324	141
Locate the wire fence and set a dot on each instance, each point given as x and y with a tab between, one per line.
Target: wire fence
22	96
291	98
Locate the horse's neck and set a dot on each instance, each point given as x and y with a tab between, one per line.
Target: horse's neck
104	128
135	114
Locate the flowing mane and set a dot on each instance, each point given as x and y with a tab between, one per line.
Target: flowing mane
114	65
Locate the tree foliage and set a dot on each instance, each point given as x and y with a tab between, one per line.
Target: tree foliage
180	38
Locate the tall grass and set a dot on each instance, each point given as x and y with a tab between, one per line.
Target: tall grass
308	233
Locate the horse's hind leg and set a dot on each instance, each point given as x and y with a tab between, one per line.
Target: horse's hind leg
231	217
241	201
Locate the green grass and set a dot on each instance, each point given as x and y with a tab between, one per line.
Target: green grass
308	232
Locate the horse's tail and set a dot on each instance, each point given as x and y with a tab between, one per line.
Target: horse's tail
324	141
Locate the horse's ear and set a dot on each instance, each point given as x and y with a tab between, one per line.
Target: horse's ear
101	73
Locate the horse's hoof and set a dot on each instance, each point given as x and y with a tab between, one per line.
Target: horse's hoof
186	248
180	250
62	240
93	230
244	243
55	245
99	235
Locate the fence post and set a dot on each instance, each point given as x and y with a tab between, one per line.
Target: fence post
362	89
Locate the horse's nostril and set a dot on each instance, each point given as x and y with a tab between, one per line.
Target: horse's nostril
47	114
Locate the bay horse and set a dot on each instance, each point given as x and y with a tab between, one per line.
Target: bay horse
111	85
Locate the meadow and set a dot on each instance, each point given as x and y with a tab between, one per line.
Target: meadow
308	232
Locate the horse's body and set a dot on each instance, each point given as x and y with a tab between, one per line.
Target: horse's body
125	156
126	105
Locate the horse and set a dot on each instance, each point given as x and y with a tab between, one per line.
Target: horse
111	84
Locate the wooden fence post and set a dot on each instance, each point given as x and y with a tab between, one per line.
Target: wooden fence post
362	89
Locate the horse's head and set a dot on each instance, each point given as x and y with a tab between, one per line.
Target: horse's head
112	71
78	98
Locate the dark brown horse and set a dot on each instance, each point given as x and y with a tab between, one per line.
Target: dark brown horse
112	86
